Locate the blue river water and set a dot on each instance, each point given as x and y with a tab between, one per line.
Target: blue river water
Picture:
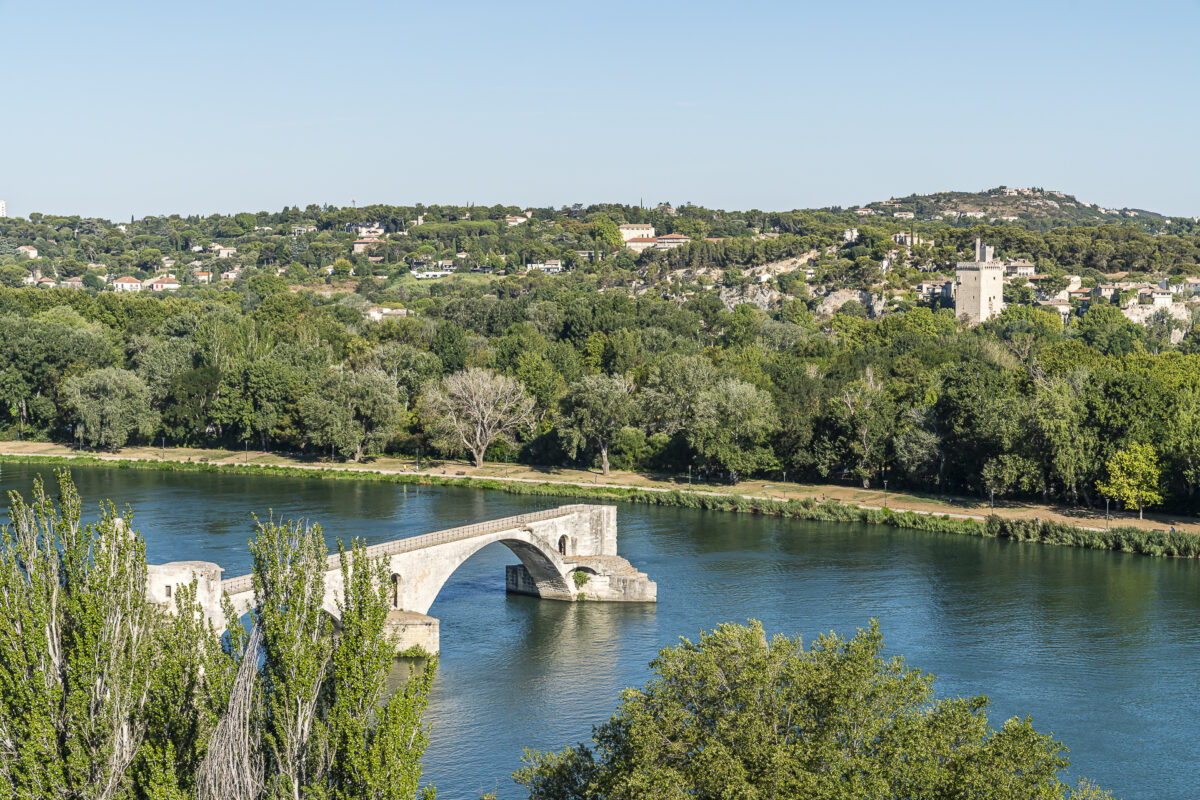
1102	649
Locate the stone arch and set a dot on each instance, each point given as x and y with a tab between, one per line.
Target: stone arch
428	569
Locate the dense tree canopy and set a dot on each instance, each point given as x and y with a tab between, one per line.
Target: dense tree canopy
739	715
728	374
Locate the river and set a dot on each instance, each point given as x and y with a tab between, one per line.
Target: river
1102	649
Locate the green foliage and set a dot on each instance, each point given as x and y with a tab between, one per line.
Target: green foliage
77	648
1022	404
730	427
111	405
1133	477
739	715
354	413
580	577
594	411
103	694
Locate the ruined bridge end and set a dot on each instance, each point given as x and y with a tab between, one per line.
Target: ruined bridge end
566	553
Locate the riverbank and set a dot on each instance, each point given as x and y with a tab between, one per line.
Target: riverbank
801	501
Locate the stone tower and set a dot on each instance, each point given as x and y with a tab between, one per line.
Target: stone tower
979	288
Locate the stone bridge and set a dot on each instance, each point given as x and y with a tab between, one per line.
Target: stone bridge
566	553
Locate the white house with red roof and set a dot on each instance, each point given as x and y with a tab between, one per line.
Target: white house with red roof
127	284
671	240
636	230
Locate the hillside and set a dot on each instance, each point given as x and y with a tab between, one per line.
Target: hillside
1032	207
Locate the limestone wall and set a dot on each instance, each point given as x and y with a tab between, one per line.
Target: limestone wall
163	582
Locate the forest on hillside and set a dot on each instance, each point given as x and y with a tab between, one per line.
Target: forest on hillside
1023	405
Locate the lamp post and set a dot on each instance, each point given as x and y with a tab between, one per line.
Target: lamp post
1106	513
885	493
993	494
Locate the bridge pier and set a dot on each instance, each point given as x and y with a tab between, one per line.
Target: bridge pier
414	633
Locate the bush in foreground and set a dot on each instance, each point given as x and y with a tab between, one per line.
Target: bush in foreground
736	715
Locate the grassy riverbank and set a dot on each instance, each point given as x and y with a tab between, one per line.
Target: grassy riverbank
1124	538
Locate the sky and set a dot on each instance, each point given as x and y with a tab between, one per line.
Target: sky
120	108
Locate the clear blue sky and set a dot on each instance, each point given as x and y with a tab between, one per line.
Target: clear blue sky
122	108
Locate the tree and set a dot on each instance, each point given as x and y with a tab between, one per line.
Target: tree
450	345
473	408
1133	477
738	715
606	233
111	405
594	410
76	649
730	428
868	423
103	696
354	413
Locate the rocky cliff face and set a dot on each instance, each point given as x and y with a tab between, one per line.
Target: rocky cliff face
833	301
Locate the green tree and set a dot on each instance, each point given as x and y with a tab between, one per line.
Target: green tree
111	405
739	715
606	233
450	345
594	410
76	649
1133	477
731	426
354	413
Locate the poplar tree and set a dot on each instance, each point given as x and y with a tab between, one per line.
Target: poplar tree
76	648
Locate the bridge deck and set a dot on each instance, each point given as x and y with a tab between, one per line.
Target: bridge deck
244	583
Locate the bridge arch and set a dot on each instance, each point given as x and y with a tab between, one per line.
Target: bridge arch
427	570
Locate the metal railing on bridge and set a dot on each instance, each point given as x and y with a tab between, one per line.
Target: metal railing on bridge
244	583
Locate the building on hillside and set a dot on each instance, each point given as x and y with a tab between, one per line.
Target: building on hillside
671	240
1184	287
1063	307
71	283
127	284
298	230
979	286
850	235
432	273
640	243
28	251
635	230
1019	268
907	239
936	289
164	283
865	212
378	314
361	245
551	266
203	277
223	251
46	283
512	222
903	214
